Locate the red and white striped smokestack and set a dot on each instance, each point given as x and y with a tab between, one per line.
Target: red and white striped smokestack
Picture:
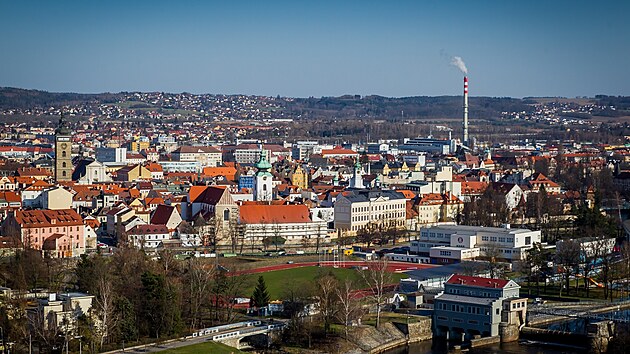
465	142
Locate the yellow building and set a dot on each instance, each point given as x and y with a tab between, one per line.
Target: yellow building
299	178
133	173
139	145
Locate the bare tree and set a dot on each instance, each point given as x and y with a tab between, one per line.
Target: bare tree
348	308
568	256
199	280
492	254
105	308
376	277
327	287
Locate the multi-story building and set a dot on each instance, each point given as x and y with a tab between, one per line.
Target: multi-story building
356	209
181	166
429	145
303	149
292	224
59	233
435	207
116	155
148	236
472	306
454	243
205	155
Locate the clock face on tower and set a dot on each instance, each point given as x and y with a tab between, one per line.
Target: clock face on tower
63	145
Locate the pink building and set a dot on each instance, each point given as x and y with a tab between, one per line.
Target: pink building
60	233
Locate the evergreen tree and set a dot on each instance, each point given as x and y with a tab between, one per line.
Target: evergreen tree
260	298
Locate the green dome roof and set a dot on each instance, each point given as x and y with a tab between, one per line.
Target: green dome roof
263	164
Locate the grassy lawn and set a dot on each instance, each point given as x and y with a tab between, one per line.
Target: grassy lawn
206	347
280	280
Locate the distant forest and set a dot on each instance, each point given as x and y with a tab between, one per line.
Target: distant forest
348	106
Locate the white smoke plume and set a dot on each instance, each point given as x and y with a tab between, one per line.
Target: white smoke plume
459	63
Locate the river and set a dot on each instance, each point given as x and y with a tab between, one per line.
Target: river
506	348
573	325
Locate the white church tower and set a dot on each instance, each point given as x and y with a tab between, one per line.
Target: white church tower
263	180
356	181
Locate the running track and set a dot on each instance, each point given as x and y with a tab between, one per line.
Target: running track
391	266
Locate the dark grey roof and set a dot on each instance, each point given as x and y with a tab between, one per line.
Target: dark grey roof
445	271
360	195
466	299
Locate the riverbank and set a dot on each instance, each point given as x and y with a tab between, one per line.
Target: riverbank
390	335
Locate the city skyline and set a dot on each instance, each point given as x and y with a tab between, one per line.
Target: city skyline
316	49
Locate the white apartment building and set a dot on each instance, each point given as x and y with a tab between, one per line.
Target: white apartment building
205	155
356	209
454	243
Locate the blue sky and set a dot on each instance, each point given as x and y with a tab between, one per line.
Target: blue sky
317	48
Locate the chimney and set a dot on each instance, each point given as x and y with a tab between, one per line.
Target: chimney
465	138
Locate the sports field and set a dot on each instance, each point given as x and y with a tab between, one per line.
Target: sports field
295	278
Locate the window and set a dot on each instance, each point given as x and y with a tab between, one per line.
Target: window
63	154
226	214
528	240
63	173
497	311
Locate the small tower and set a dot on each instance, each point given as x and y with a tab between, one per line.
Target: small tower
263	179
63	152
357	180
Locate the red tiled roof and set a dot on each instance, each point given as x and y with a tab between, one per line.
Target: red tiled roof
148	229
44	218
162	214
477	281
274	214
338	152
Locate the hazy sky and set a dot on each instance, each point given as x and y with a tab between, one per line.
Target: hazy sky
316	47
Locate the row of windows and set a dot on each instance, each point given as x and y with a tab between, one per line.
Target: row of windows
378	208
376	217
473	310
63	229
495	239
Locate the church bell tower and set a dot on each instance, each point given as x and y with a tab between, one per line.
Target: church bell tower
63	152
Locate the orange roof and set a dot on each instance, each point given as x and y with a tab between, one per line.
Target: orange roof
474	187
39	185
10	197
338	152
154	167
274	214
407	193
45	218
227	172
195	191
93	223
437	198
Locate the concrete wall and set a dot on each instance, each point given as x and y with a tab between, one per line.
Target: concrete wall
417	331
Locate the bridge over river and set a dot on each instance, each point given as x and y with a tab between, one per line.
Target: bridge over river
593	311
